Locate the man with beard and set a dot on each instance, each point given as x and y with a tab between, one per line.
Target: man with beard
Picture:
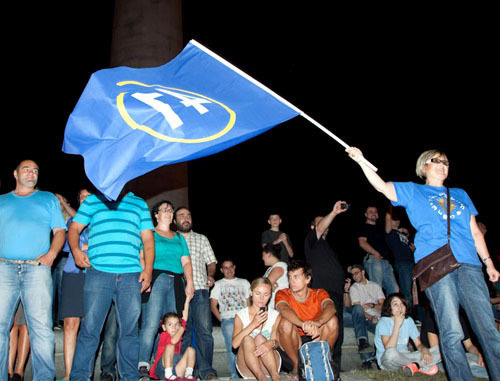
27	218
200	316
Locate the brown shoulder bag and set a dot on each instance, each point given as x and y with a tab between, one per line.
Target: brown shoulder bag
436	265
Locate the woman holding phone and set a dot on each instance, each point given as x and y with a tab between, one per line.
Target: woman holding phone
255	335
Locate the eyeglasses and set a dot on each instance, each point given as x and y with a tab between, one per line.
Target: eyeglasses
165	210
437	160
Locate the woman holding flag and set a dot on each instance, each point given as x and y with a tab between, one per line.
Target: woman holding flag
426	206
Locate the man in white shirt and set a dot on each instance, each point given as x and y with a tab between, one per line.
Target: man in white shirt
365	299
229	295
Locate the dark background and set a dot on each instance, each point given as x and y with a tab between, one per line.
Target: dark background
391	81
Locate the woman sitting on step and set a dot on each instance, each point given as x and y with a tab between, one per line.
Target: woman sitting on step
255	335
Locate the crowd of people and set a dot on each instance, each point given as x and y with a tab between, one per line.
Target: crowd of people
142	282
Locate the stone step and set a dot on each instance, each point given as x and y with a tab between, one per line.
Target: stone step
350	357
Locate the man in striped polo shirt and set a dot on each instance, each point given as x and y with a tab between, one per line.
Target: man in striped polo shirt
114	274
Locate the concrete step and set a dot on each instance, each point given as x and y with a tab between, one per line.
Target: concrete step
350	357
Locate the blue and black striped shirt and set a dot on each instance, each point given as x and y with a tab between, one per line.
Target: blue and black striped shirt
115	231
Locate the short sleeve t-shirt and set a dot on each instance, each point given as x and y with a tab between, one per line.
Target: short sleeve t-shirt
115	231
310	309
232	295
70	266
168	253
202	255
269	236
384	328
26	223
327	269
166	339
370	292
375	235
426	208
399	244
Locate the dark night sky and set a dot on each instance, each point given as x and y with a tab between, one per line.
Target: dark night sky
392	82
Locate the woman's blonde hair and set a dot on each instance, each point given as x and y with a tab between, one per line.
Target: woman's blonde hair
422	161
257	282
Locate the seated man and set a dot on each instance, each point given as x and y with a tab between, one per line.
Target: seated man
364	300
307	314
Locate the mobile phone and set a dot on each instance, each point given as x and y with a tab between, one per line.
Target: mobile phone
345	206
263	309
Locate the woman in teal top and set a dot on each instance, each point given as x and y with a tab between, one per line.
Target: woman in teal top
172	261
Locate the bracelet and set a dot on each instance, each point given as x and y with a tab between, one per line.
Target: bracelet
485	259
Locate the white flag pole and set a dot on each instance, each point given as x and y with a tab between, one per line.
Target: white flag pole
282	100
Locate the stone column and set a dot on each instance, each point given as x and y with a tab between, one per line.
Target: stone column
148	33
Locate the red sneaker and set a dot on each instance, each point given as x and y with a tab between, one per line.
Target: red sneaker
411	369
429	371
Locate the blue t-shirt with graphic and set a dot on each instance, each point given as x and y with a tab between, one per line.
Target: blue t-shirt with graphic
384	328
426	209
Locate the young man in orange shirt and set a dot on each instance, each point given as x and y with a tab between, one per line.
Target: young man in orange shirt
307	314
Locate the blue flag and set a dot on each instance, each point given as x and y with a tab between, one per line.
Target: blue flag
129	121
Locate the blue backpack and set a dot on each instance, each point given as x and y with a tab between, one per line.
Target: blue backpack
315	362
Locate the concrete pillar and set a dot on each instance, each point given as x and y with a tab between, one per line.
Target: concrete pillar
148	33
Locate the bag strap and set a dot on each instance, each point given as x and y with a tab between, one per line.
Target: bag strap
448	203
414	289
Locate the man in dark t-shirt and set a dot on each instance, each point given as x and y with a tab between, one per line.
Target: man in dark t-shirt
327	270
371	239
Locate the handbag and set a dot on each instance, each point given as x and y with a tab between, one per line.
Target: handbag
437	264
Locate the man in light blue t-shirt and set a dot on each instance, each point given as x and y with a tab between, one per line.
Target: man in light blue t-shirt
27	219
114	274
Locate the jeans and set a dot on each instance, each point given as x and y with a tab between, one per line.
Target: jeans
380	271
227	326
161	300
33	286
405	277
361	327
108	351
466	287
200	323
100	290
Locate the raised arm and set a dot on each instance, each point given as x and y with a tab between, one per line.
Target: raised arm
327	220
386	188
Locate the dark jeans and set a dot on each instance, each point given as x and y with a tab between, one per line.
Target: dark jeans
108	350
200	323
361	327
100	290
405	277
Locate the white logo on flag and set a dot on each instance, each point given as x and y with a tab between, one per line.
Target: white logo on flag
166	110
